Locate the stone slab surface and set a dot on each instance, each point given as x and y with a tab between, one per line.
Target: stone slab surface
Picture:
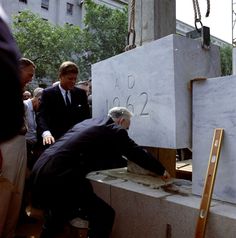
142	211
214	103
152	81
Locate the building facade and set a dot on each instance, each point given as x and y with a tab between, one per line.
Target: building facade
182	28
58	12
72	12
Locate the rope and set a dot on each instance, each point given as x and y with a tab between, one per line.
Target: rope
131	28
196	8
208	8
197	13
132	15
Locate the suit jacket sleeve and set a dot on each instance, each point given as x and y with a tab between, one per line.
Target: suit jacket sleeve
43	117
12	105
138	155
80	101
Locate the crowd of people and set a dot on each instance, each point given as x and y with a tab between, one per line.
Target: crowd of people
49	142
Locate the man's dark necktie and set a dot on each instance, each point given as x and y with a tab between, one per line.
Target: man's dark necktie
67	100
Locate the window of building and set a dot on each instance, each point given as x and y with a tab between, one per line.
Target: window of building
45	4
69	24
24	1
69	8
19	12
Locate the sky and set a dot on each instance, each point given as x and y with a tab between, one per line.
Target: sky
219	20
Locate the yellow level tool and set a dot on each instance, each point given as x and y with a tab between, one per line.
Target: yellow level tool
209	183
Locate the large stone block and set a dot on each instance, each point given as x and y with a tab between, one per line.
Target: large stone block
152	81
214	103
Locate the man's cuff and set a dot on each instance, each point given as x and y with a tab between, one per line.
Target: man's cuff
46	133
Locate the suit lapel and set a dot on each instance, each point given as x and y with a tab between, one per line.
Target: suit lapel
72	95
60	97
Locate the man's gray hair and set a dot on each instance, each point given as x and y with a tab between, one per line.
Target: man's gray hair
38	92
117	112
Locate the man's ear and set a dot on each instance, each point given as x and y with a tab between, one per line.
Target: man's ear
120	120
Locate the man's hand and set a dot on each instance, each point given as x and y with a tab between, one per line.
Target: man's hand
48	140
166	176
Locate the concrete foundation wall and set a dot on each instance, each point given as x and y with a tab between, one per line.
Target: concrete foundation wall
145	212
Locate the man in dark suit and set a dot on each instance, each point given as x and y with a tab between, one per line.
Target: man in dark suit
62	106
14	76
12	105
59	175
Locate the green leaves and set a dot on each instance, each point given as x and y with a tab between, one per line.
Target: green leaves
42	42
107	29
226	60
49	45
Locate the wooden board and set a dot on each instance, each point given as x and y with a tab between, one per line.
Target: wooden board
184	169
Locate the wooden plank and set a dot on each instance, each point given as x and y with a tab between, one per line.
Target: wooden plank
166	156
185	165
184	169
209	183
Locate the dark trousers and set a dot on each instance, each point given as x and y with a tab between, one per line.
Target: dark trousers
83	203
33	153
100	216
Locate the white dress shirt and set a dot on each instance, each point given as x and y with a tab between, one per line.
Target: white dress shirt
31	134
63	92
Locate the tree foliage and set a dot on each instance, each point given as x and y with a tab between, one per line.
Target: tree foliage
105	29
226	60
46	44
104	34
49	45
